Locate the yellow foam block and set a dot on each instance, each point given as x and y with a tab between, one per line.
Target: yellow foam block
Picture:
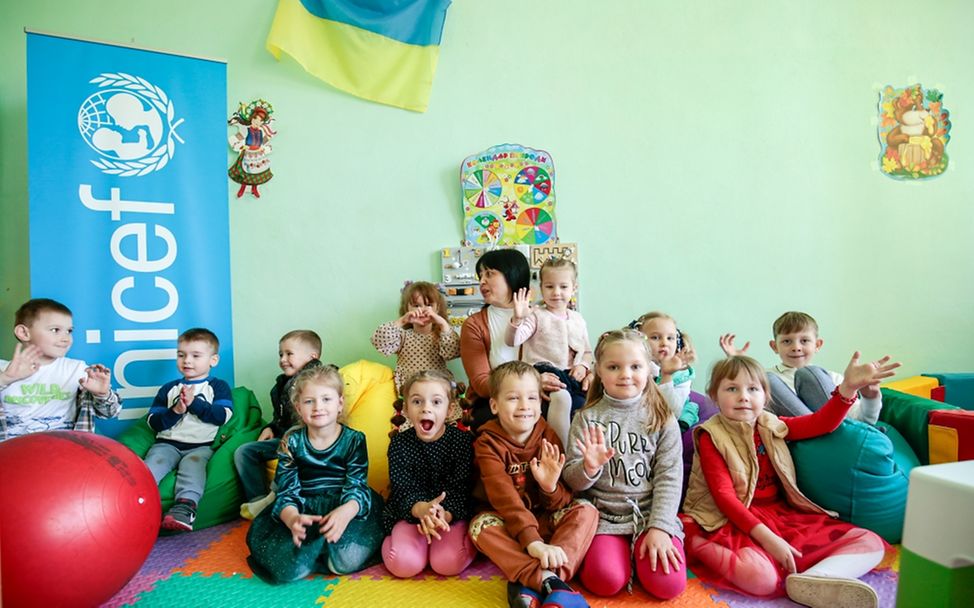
914	385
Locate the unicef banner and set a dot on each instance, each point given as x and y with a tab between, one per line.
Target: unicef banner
128	205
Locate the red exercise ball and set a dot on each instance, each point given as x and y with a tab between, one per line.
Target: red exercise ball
79	514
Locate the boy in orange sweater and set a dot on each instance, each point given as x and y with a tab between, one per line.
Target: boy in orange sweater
535	533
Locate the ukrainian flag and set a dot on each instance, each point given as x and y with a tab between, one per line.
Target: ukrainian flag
382	50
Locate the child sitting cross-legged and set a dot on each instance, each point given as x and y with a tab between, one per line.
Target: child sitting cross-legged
626	456
326	518
430	474
535	532
186	415
749	527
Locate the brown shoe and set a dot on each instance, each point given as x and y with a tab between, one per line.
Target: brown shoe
824	592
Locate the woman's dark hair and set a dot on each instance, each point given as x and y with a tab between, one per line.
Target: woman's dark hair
509	262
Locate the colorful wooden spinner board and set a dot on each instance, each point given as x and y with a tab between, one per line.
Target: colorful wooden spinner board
508	197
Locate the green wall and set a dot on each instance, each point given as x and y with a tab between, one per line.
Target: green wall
716	160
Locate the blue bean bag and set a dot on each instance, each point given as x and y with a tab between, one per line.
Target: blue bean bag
861	472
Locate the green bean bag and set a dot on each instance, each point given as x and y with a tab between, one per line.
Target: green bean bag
222	495
861	472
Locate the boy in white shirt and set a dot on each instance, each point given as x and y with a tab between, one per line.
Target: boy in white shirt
43	390
797	387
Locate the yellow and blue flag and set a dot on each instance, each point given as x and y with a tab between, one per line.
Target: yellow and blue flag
382	50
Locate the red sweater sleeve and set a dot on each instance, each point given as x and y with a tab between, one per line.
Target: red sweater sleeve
474	351
718	478
824	421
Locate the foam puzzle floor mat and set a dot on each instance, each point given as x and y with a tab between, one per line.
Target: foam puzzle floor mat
208	569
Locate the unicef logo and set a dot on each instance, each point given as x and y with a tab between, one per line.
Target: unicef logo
129	123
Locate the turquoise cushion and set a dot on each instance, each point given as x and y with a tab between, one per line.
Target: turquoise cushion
861	472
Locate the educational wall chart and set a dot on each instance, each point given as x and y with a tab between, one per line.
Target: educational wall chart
508	197
914	129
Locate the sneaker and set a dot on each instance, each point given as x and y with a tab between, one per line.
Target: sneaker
519	596
824	592
180	517
250	510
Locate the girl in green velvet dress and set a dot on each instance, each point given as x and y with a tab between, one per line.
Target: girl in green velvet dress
326	518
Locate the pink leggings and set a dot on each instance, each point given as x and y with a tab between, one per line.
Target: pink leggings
607	569
405	552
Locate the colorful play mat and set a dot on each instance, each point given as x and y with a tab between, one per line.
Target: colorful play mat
208	569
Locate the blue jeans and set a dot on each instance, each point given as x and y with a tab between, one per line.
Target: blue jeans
251	462
190	467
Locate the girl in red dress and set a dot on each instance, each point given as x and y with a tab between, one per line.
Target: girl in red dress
748	526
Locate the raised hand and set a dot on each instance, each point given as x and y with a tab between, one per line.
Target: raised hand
859	375
97	380
595	452
522	304
727	345
436	318
547	468
24	363
673	364
659	546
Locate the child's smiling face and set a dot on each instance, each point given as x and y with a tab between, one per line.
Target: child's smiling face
517	405
319	406
557	288
51	332
741	398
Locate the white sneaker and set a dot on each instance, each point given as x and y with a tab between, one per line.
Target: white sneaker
250	510
824	592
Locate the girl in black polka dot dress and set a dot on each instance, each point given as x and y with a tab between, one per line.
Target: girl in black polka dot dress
431	475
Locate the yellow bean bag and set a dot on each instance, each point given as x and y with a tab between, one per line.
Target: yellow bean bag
369	395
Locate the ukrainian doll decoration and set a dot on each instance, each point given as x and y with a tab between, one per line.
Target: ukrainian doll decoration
252	144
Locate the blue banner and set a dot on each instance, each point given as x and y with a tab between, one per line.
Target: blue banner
129	223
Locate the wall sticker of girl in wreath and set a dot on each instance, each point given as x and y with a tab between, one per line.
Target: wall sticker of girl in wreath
251	142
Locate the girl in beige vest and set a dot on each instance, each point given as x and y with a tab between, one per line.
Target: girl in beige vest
748	526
